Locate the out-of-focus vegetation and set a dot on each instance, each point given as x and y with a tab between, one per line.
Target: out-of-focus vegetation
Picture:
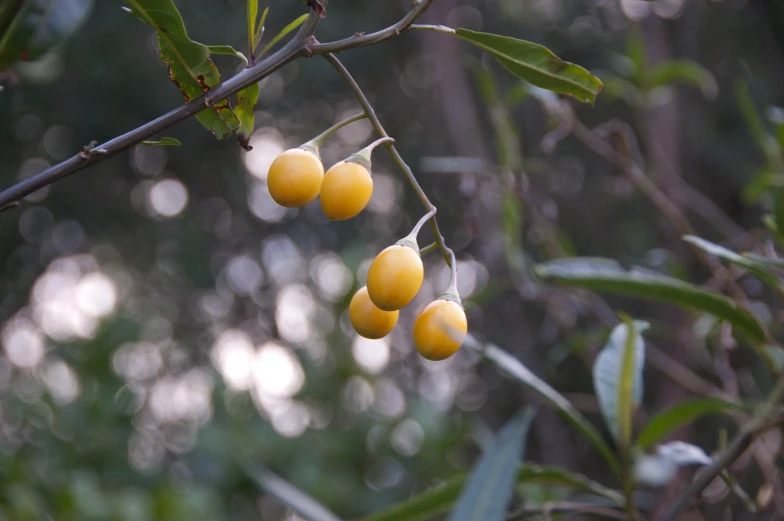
165	326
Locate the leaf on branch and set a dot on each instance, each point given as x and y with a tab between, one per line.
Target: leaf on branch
537	65
607	275
617	377
245	109
514	368
760	270
227	50
29	29
286	30
163	142
680	415
489	489
190	67
685	71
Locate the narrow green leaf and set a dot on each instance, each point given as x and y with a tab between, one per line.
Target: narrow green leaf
286	30
537	65
163	142
189	64
253	16
439	500
766	261
617	378
684	71
294	498
607	275
260	29
680	415
514	368
29	29
489	490
750	114
227	50
245	110
760	270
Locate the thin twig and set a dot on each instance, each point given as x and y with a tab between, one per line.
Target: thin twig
396	157
566	506
362	40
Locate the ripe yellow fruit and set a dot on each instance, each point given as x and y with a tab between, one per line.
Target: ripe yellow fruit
439	329
295	177
346	190
394	277
369	321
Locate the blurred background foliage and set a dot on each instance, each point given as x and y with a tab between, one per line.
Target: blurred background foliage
162	319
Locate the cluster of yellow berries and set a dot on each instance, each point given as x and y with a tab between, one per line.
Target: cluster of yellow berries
296	178
394	279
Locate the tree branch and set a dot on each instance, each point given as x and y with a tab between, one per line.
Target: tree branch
362	40
301	45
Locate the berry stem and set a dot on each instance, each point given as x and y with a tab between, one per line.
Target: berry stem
314	144
452	289
396	157
427	249
415	232
363	156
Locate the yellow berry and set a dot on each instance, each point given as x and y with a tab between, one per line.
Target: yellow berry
369	321
439	329
294	178
394	277
346	190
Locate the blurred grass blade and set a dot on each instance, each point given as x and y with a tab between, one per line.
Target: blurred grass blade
517	370
537	65
439	501
489	489
189	62
245	110
760	270
286	30
163	142
607	275
684	413
301	503
227	50
617	378
684	71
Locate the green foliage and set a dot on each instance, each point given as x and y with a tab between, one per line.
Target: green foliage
759	269
537	65
283	32
687	71
246	113
617	377
607	275
28	29
189	62
489	489
679	416
521	373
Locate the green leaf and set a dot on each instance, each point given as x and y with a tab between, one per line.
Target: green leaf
607	275
439	500
260	30
245	110
489	490
537	65
749	111
685	71
758	269
288	494
766	261
521	373
29	29
678	416
163	142
617	378
189	64
286	30
253	18
227	50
